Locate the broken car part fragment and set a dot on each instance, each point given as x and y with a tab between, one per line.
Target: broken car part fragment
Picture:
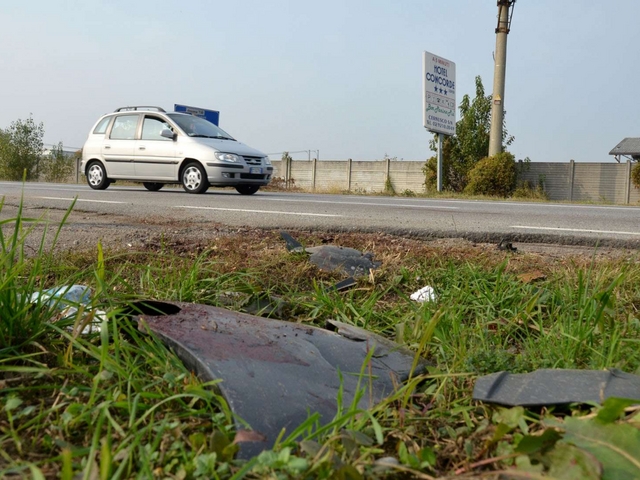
331	257
548	387
273	373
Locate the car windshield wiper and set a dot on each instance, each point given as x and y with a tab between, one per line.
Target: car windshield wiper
220	137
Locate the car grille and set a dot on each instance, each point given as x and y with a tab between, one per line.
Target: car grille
253	160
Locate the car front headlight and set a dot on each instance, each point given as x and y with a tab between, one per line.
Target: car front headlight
227	157
267	161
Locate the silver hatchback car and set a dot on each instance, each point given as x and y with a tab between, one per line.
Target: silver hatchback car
155	147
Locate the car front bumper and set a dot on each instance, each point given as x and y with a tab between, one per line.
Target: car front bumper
227	174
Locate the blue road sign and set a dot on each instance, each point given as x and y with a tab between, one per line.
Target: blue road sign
212	116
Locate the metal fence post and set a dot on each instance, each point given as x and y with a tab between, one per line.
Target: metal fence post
349	175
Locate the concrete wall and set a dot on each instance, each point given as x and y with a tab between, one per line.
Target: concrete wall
598	182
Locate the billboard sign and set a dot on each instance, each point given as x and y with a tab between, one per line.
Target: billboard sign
438	94
212	116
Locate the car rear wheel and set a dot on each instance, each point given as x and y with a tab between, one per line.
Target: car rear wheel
97	176
194	178
247	189
153	186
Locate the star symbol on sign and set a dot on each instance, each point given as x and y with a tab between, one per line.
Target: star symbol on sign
440	90
435	89
445	92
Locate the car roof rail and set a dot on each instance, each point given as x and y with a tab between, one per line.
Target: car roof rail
140	107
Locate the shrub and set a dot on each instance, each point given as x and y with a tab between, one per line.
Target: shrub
57	165
635	175
527	190
493	176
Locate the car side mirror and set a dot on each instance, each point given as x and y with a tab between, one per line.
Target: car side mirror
166	133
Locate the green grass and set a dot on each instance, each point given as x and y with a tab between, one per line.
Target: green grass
118	404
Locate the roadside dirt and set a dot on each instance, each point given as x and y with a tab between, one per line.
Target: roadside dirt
83	230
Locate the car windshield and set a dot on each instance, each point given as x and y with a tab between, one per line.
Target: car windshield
199	127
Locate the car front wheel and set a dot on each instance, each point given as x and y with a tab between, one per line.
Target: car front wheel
97	176
153	186
247	189
194	178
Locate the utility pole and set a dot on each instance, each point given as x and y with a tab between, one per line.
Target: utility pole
505	13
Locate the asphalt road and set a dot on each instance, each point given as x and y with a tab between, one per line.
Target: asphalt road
474	220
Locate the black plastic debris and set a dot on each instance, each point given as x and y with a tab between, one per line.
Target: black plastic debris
275	373
548	387
292	244
345	284
331	257
507	246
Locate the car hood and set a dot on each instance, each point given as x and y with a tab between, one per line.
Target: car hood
229	146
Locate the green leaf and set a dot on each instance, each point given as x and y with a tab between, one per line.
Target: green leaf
567	462
538	443
616	446
12	403
360	438
348	472
510	417
613	408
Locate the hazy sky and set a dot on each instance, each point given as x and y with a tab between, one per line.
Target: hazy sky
344	77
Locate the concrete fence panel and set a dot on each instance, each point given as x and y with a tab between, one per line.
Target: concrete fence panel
555	177
368	176
332	175
598	182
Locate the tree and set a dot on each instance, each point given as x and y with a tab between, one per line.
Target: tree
57	165
21	150
470	144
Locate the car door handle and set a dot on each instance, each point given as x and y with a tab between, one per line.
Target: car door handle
107	146
141	147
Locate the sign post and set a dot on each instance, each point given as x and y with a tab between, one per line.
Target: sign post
439	100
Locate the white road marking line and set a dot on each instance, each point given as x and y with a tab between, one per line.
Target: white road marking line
80	200
540	204
582	230
431	207
258	211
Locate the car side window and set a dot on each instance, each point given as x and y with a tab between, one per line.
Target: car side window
152	127
101	128
124	127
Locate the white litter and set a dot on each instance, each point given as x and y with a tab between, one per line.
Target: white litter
66	299
425	294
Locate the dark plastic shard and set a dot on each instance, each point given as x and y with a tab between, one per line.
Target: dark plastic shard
345	284
332	257
548	387
274	373
292	244
348	260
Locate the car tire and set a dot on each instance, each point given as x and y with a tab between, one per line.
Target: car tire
97	176
153	186
247	189
194	178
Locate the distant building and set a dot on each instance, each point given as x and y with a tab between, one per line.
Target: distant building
628	148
